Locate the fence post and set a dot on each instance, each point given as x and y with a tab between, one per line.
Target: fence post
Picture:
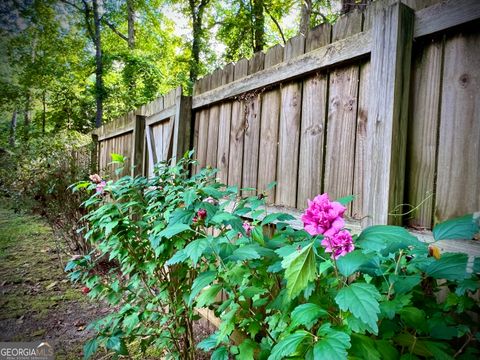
384	177
182	126
138	145
94	165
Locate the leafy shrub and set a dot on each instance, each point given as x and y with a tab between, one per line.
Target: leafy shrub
37	175
178	243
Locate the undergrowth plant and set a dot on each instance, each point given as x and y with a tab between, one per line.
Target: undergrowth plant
177	242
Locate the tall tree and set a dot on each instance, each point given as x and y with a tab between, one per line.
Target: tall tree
197	11
305	14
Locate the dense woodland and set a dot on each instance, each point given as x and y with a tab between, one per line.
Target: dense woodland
75	64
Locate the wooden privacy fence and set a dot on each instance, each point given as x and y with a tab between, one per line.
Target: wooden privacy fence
384	104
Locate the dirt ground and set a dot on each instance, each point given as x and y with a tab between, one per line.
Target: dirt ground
37	301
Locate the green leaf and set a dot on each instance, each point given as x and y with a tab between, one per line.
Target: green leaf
208	343
200	282
386	350
403	284
247	349
414	317
362	301
117	344
195	249
390	307
346	199
189	197
90	348
130	321
178	257
386	239
463	228
257	235
288	345
117	158
364	347
247	252
270	218
208	295
307	314
352	261
220	354
450	266
173	230
299	270
333	344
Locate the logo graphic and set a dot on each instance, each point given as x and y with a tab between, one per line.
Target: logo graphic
26	351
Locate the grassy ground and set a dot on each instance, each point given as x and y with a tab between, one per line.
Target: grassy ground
37	302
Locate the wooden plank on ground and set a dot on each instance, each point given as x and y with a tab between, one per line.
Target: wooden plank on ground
225	117
269	129
458	170
252	129
314	104
388	112
288	146
237	131
423	131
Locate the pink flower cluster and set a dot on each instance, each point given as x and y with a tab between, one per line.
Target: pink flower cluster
96	179
325	217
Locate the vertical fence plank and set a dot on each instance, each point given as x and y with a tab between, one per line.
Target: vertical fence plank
361	140
237	130
269	129
203	128
138	142
314	100
213	123
423	131
291	95
458	190
392	33
252	129
183	125
342	116
225	117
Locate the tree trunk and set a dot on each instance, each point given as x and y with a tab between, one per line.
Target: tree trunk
131	23
13	129
197	14
26	117
305	14
44	113
99	88
258	25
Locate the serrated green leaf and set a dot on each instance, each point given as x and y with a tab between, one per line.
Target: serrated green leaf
130	321
362	301
189	197
450	266
195	249
172	230
90	348
391	307
403	284
178	257
386	349
414	317
307	314
117	158
351	262
299	270
247	252
386	239
117	344
200	282
257	235
364	347
208	295
346	199
462	228
220	354
208	343
247	349
270	218
333	344
288	345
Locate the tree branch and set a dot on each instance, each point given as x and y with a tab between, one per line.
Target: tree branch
114	29
276	24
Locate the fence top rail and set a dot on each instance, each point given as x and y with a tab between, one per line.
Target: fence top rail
435	18
163	115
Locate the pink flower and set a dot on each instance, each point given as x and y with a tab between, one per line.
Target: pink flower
100	187
338	244
247	227
210	200
202	214
323	216
95	178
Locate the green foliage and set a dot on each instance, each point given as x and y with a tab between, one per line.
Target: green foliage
180	242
